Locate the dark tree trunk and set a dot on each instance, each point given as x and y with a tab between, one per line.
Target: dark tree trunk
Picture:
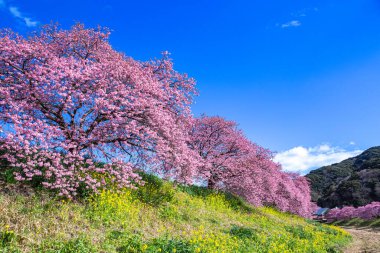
211	184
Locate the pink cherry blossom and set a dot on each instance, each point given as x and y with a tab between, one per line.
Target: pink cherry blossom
67	99
231	162
367	212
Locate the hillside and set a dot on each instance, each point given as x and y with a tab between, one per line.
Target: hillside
158	217
355	181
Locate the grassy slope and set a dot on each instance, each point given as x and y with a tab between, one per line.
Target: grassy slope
158	217
360	223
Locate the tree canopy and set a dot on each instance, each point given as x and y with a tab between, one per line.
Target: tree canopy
67	98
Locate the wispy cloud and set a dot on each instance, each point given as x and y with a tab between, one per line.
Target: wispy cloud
27	20
293	23
304	12
303	159
296	18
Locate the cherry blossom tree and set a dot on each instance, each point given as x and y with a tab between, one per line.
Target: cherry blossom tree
231	162
367	212
292	194
68	99
221	147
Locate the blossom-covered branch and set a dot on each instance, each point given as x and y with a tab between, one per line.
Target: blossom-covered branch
68	99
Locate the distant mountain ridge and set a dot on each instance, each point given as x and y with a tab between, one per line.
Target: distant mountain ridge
354	181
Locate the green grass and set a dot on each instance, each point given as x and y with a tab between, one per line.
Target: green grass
357	222
158	217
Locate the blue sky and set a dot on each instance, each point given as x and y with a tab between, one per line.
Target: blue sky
298	76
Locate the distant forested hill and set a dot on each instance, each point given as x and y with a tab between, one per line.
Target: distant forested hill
355	181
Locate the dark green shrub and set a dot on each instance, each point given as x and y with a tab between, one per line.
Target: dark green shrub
242	232
6	174
155	190
197	191
299	231
239	204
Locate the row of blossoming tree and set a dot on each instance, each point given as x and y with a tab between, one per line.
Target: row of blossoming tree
367	212
74	112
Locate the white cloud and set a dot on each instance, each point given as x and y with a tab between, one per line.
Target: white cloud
304	12
27	20
303	159
15	12
293	23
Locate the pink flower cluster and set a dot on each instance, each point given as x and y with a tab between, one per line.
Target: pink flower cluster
68	99
367	212
232	162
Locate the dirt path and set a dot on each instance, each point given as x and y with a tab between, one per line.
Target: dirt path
364	240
